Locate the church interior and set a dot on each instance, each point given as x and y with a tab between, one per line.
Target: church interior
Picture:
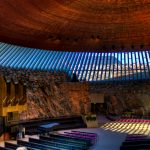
75	75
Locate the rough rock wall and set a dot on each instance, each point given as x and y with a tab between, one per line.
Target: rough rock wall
126	97
50	94
54	99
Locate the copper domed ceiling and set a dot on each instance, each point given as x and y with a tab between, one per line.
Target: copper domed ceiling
76	25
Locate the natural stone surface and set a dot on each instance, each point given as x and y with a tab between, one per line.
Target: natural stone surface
32	77
56	99
125	97
50	94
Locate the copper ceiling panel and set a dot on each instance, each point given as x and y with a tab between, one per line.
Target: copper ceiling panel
76	25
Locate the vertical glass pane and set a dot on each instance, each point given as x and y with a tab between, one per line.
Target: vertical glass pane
88	66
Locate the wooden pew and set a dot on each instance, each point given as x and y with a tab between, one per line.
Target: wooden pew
38	146
85	141
144	141
56	144
62	140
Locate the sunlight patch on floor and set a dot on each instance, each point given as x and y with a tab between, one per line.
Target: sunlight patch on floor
130	128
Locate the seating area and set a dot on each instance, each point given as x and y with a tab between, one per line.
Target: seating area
114	135
136	133
136	142
134	120
32	127
74	140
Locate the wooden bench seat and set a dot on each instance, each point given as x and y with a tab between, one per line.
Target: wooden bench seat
62	140
52	143
38	146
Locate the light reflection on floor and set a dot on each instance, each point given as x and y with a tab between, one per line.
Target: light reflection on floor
128	127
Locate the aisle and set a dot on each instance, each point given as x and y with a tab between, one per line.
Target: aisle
107	140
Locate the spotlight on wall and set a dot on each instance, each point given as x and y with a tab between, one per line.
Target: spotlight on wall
59	38
92	36
104	47
122	47
50	37
76	39
67	39
141	46
132	46
98	37
113	47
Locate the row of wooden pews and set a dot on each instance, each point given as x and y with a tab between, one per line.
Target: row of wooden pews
32	126
133	120
74	140
136	142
